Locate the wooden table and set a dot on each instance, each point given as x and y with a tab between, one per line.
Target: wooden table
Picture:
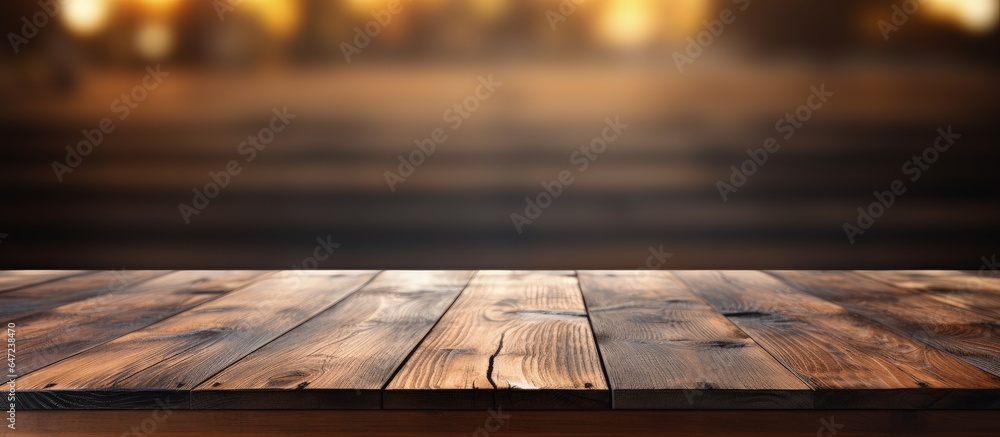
594	351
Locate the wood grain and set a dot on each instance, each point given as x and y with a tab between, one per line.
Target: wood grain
663	347
965	334
979	293
24	301
179	353
343	357
14	279
850	360
511	340
52	335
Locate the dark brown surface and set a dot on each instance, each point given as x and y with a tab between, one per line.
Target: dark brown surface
657	185
514	340
398	423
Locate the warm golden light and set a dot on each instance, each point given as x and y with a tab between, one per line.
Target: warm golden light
627	22
974	15
84	16
367	5
160	5
280	17
154	40
682	18
491	8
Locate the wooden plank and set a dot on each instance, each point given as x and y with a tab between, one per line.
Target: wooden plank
161	363
976	293
512	340
851	361
965	334
14	279
25	301
343	357
55	334
673	423
663	347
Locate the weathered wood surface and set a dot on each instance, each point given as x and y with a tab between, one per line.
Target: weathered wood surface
979	292
344	356
965	334
66	330
161	363
663	347
504	340
516	340
14	279
851	362
45	296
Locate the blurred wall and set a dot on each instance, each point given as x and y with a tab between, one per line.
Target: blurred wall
507	134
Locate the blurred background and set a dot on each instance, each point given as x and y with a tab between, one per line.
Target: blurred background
563	69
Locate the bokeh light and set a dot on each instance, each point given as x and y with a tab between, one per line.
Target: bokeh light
85	17
974	15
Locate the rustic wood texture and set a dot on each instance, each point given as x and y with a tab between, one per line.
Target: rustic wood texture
504	341
69	329
24	301
851	361
344	356
14	279
167	359
515	340
972	291
968	335
663	347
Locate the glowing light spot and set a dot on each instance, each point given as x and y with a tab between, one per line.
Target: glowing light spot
280	17
974	15
84	17
154	40
627	22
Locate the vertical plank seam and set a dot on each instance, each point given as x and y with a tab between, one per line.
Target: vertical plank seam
337	302
103	342
158	321
593	335
188	392
421	342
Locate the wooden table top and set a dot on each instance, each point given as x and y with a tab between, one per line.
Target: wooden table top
589	340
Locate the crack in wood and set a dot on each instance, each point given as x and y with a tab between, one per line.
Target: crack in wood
489	369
